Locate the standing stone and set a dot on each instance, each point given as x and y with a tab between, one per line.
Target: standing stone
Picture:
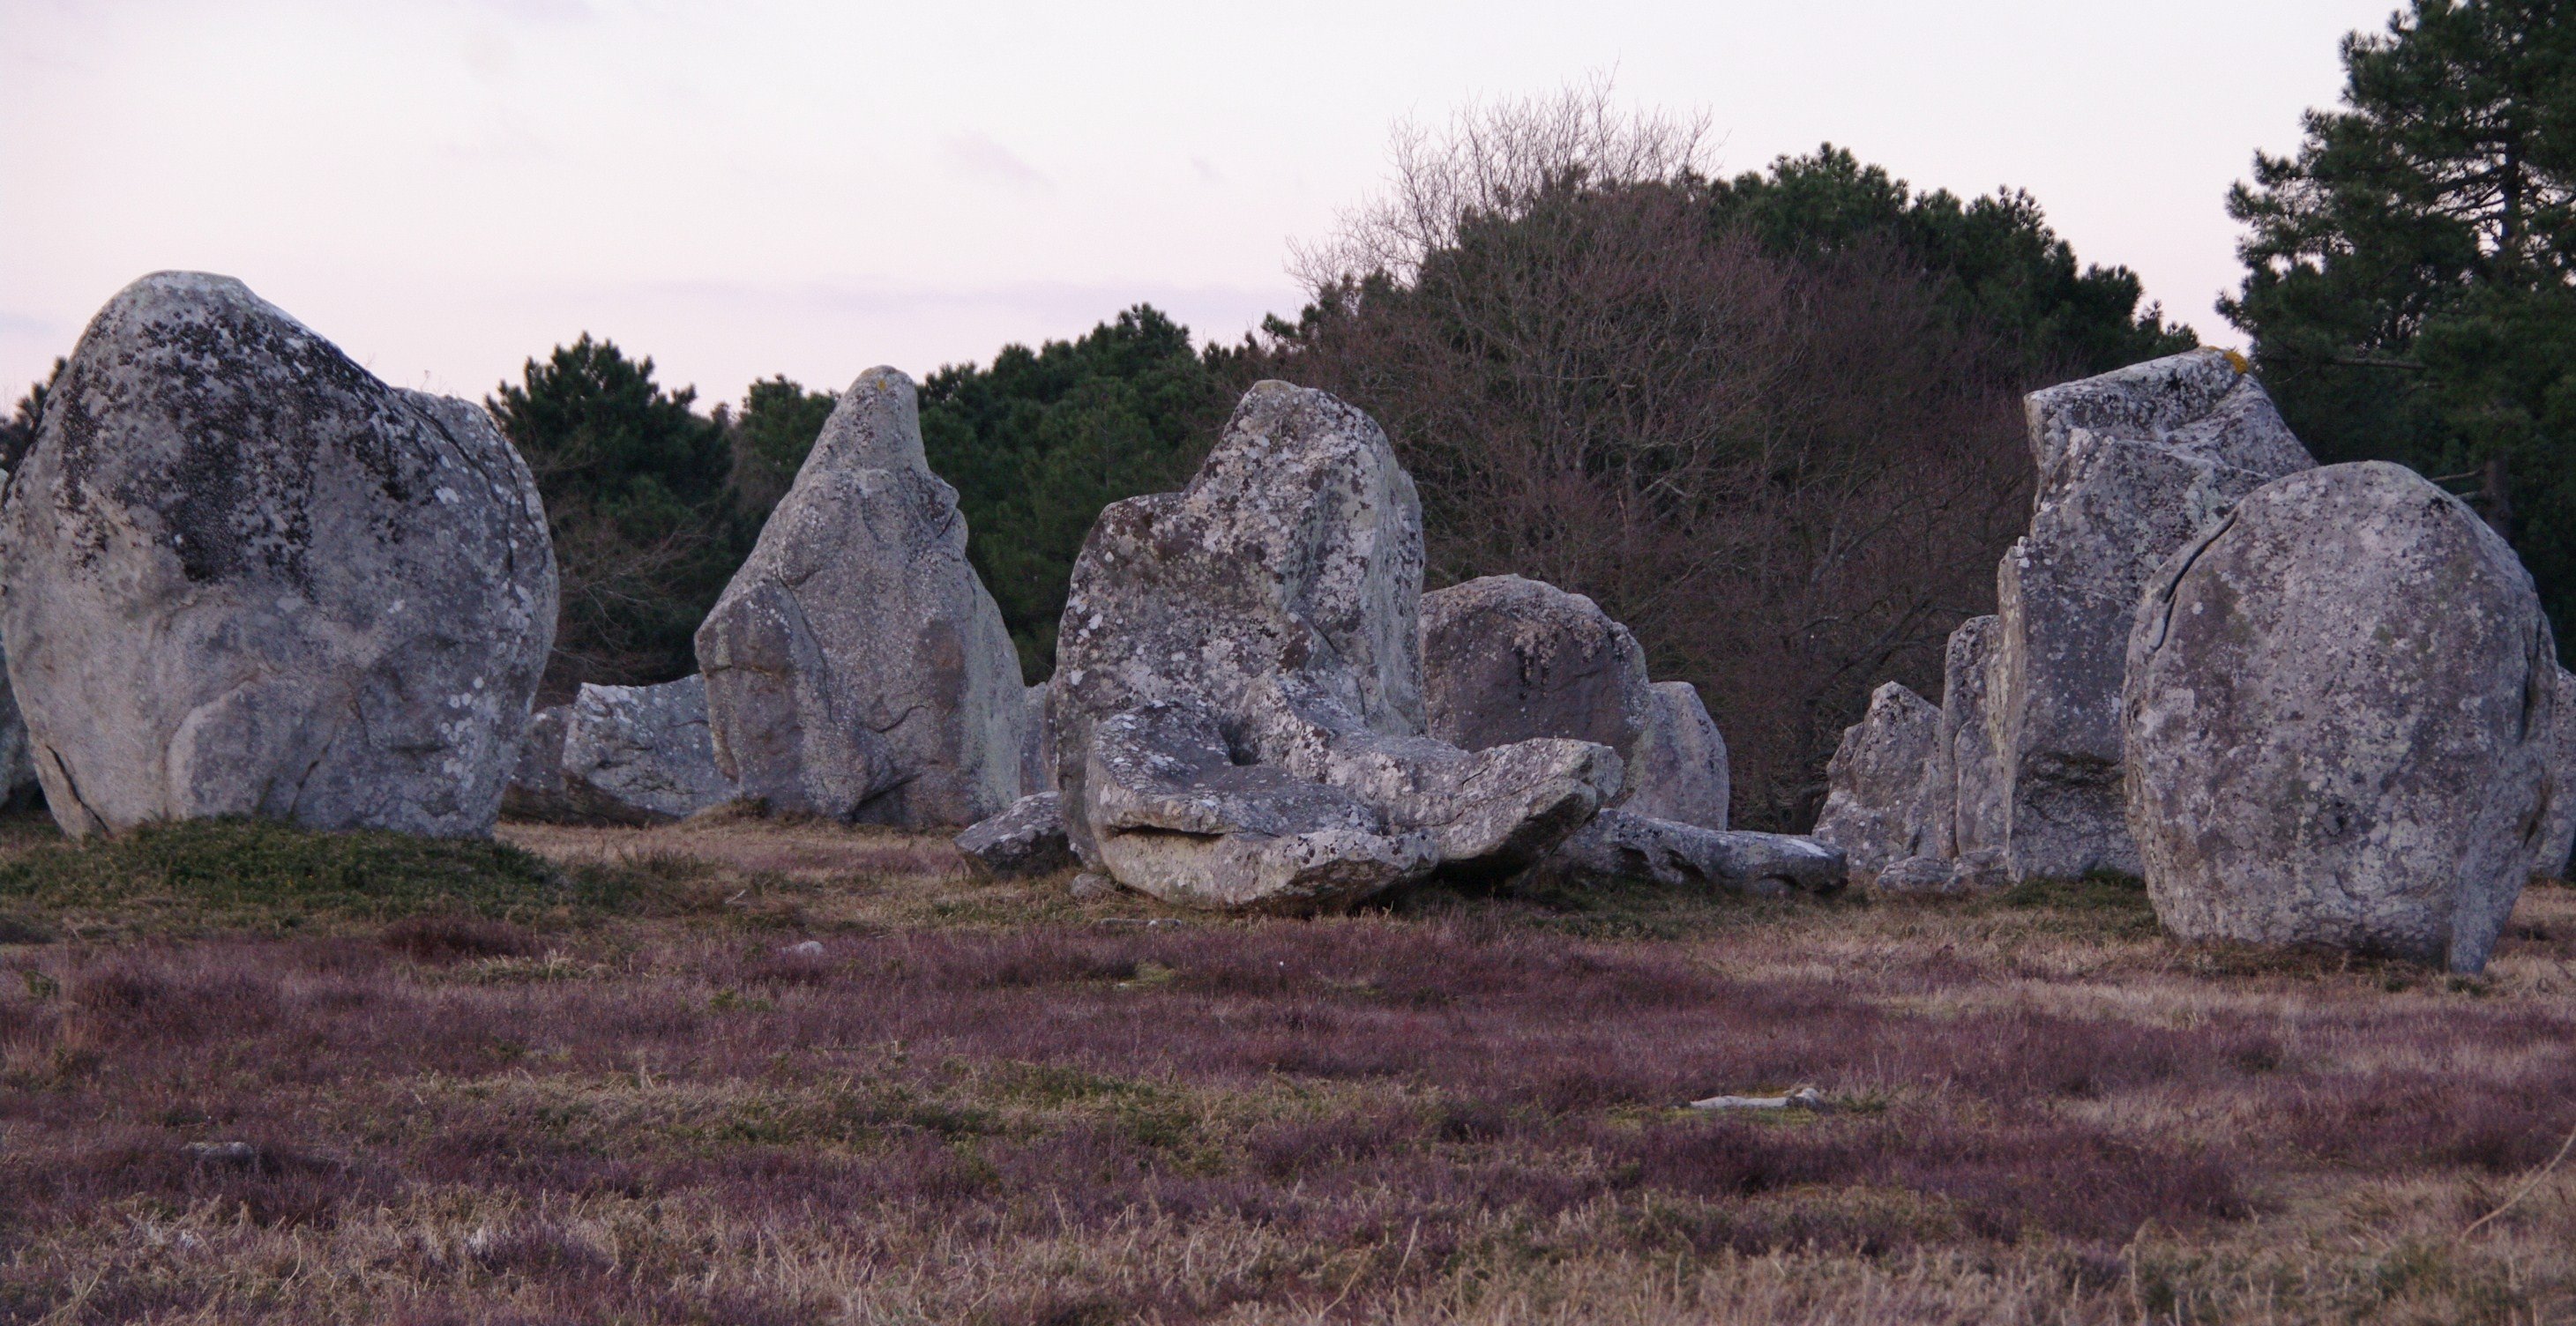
855	667
1237	710
2131	465
642	753
244	577
2341	709
1969	801
1879	810
2558	841
1037	754
535	790
1679	771
1506	659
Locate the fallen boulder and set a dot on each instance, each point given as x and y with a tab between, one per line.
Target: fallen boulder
2341	713
1027	839
2131	465
1249	646
1618	845
855	667
244	577
1878	810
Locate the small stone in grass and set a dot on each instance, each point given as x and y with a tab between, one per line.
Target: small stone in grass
1805	1098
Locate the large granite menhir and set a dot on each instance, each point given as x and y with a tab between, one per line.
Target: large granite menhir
855	667
245	577
1883	783
2342	723
1237	708
2131	465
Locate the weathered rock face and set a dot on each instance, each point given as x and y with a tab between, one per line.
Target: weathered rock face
17	757
1621	845
2341	707
1970	792
1679	770
856	668
1027	839
2558	839
1880	807
535	789
643	752
243	576
1506	659
2131	465
1037	753
1237	709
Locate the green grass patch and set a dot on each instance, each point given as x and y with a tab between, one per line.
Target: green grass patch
231	874
2104	901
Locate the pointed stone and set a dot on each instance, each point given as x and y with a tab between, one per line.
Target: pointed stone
855	667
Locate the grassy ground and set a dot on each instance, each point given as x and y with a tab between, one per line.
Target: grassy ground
752	1072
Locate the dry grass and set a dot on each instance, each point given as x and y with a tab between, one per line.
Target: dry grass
989	1103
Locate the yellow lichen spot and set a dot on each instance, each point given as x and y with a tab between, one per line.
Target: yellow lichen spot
2238	362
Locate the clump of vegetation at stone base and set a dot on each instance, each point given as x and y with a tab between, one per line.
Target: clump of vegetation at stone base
200	876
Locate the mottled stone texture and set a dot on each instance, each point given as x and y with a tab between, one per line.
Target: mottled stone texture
244	577
1506	659
1970	791
2341	710
1620	845
2131	465
1037	753
1879	809
643	752
1027	839
2558	839
1678	771
1237	709
855	667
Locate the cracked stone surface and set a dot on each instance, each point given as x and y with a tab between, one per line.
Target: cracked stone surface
1880	806
2132	464
245	577
1251	643
642	753
856	668
2341	713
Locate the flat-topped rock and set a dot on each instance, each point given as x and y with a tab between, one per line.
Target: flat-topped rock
1027	839
2132	464
1618	845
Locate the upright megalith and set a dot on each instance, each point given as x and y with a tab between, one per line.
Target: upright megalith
245	577
1970	792
1237	711
2131	465
1506	659
1678	772
1879	807
2341	716
855	667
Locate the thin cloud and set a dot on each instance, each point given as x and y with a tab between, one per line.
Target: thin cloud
978	156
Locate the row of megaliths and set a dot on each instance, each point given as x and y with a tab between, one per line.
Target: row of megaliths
2310	706
245	577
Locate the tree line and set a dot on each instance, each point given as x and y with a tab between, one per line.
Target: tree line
1771	421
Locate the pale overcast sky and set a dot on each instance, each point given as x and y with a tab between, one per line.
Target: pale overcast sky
763	186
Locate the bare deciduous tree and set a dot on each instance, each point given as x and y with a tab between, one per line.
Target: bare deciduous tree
1790	478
